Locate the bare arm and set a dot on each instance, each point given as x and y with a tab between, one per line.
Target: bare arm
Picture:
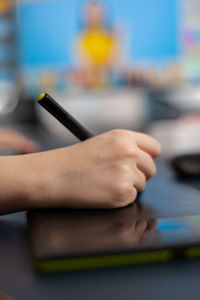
106	171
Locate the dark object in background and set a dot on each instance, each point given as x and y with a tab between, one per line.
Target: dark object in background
159	106
187	165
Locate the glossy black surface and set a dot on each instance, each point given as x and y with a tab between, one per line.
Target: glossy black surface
172	280
58	234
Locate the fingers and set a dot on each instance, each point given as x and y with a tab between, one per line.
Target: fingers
146	164
13	139
148	144
24	145
129	139
139	181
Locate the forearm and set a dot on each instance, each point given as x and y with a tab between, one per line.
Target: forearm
14	184
31	181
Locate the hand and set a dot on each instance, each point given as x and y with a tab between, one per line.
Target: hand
12	139
106	171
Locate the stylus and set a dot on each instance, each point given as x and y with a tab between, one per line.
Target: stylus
64	117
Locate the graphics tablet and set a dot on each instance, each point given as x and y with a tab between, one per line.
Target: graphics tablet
74	240
154	229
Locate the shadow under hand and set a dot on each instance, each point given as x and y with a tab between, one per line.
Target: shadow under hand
89	231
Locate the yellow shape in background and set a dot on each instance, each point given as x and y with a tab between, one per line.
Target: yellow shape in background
98	45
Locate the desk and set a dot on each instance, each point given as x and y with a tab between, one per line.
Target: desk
171	280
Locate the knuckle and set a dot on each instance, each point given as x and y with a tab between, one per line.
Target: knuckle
131	151
122	194
118	143
118	132
121	145
122	169
122	189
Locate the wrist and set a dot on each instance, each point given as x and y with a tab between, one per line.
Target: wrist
13	188
33	180
43	177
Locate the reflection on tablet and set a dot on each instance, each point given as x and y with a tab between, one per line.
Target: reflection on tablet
63	237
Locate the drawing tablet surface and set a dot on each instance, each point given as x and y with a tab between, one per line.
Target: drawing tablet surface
81	239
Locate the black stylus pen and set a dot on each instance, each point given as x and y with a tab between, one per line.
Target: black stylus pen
64	117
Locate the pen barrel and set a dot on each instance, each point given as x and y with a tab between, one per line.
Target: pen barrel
65	118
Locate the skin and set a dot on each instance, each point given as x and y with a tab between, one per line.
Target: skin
94	15
11	139
106	171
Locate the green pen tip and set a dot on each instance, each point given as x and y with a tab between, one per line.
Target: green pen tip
41	96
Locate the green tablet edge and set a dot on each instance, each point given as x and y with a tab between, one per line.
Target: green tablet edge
96	262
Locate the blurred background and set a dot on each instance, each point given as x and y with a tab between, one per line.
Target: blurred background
112	64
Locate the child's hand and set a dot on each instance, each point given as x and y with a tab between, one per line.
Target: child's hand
106	171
